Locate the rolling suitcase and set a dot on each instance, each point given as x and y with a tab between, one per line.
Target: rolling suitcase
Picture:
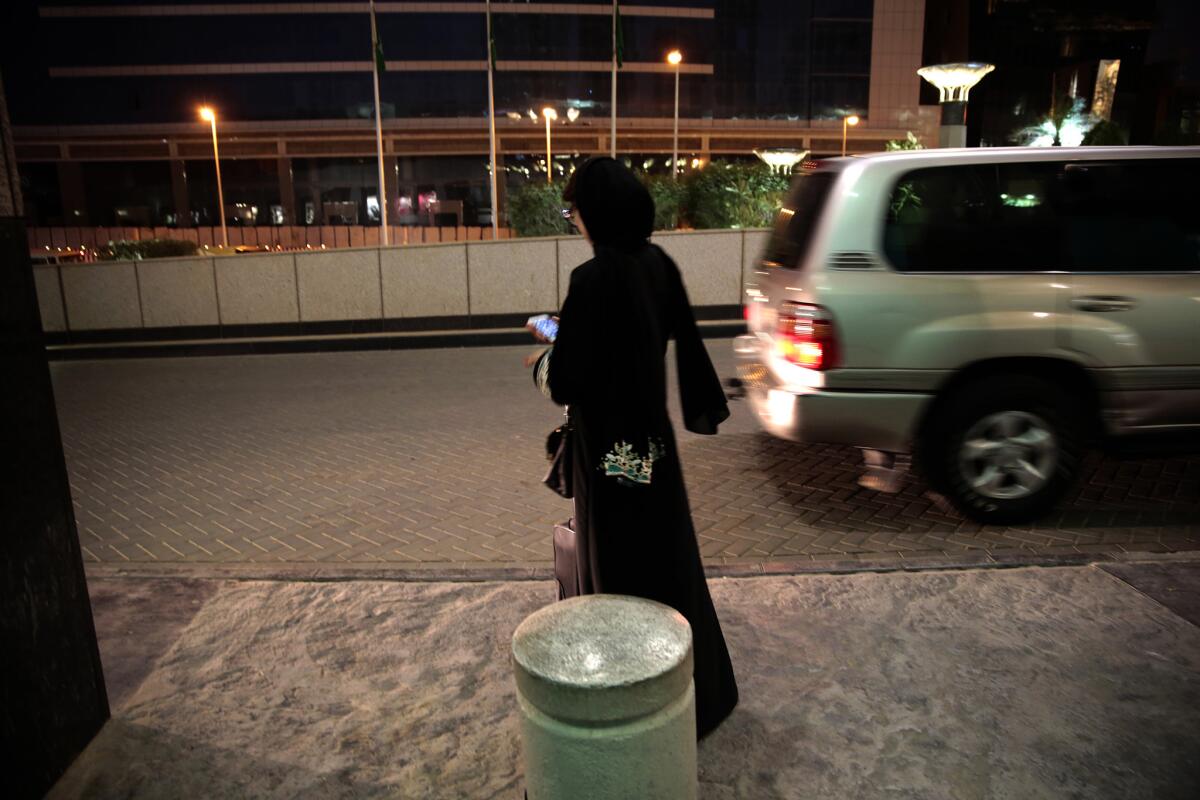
566	560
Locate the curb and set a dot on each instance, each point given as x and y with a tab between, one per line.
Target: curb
407	340
454	573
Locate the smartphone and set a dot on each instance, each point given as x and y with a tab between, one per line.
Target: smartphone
545	325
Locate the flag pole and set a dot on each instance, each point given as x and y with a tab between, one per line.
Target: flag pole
612	137
492	123
376	53
612	134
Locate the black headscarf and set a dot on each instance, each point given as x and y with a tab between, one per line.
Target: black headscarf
616	208
636	282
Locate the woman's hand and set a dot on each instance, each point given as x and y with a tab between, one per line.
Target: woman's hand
532	358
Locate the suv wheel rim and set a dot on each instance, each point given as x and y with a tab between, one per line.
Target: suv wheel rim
1008	455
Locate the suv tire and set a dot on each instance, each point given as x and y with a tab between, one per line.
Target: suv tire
1004	449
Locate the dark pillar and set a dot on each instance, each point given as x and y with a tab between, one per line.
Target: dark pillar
314	192
179	193
70	187
391	182
51	688
287	190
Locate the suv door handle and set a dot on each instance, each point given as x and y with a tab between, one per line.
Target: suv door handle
1102	303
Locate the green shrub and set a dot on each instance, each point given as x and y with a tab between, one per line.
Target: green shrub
126	250
909	142
536	210
669	197
724	195
1105	133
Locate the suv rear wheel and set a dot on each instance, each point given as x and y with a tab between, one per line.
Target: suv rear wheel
1004	449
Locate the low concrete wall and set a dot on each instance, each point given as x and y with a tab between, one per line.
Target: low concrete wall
508	277
458	281
753	244
50	302
710	262
101	296
257	290
424	281
177	293
339	285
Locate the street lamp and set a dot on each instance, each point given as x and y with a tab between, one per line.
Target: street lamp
846	123
954	82
781	160
550	114
210	116
675	58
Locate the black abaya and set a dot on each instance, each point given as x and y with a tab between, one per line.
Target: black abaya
633	522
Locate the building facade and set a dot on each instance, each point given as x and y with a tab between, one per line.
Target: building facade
104	98
1132	63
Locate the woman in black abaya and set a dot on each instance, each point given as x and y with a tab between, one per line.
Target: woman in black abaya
633	523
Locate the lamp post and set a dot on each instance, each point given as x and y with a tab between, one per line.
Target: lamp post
847	121
954	82
550	114
674	58
210	116
781	160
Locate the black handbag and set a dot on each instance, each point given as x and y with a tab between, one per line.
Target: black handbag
558	452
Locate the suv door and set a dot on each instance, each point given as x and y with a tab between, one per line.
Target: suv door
977	270
1131	236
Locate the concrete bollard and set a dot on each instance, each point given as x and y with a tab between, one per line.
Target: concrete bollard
608	708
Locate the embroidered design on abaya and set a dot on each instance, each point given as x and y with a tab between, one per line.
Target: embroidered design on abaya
624	462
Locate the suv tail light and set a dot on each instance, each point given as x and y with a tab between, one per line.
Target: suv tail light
806	336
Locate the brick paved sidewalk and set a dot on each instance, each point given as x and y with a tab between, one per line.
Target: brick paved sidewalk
1019	683
433	458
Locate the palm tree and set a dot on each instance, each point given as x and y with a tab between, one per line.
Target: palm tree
1060	112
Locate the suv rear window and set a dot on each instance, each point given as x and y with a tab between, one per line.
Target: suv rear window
1083	216
1130	216
797	220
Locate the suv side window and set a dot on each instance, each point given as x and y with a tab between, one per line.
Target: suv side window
974	218
797	220
1132	216
1082	216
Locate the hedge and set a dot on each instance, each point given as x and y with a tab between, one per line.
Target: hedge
722	195
126	250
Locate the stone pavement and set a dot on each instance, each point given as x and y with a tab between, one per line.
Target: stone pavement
1031	683
433	459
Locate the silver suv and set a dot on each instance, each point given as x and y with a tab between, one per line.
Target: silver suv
991	311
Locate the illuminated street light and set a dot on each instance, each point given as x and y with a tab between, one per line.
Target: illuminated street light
846	123
781	160
550	114
954	82
572	114
675	58
208	115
